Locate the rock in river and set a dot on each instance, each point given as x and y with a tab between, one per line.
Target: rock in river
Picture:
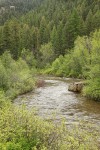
76	87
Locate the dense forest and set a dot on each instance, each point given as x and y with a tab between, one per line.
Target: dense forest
16	8
55	22
54	37
48	29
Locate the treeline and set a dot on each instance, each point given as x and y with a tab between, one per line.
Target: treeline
54	22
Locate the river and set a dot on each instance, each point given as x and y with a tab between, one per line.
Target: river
54	98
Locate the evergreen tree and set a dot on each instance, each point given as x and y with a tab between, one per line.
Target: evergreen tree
89	22
43	31
55	21
96	20
15	39
59	39
73	28
1	40
6	36
54	40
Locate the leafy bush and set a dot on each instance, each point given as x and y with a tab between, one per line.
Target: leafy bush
92	88
60	67
3	76
21	129
15	76
47	55
28	57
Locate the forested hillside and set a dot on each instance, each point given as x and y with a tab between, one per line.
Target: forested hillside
53	37
15	8
47	28
58	22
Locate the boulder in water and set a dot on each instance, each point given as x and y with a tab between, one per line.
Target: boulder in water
76	87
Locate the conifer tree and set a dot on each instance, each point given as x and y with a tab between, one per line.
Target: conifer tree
6	36
73	28
43	34
89	22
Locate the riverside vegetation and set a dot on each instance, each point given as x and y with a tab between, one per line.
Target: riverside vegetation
55	31
56	37
83	61
21	129
16	76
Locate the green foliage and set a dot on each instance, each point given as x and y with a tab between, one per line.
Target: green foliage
52	28
57	68
3	99
21	129
43	34
11	38
93	87
73	28
3	76
47	54
89	22
47	32
28	57
20	7
15	76
57	22
82	62
60	67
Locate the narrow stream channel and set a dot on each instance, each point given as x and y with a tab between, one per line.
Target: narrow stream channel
54	97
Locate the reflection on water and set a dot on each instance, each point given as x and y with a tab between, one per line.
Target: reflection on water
55	97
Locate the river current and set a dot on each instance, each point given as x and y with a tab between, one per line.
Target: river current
54	98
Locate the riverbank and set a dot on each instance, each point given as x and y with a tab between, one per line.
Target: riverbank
54	98
83	62
15	77
21	129
89	88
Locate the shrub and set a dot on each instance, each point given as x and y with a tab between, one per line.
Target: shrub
21	129
3	77
15	76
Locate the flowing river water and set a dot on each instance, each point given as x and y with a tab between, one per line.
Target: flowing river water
54	98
